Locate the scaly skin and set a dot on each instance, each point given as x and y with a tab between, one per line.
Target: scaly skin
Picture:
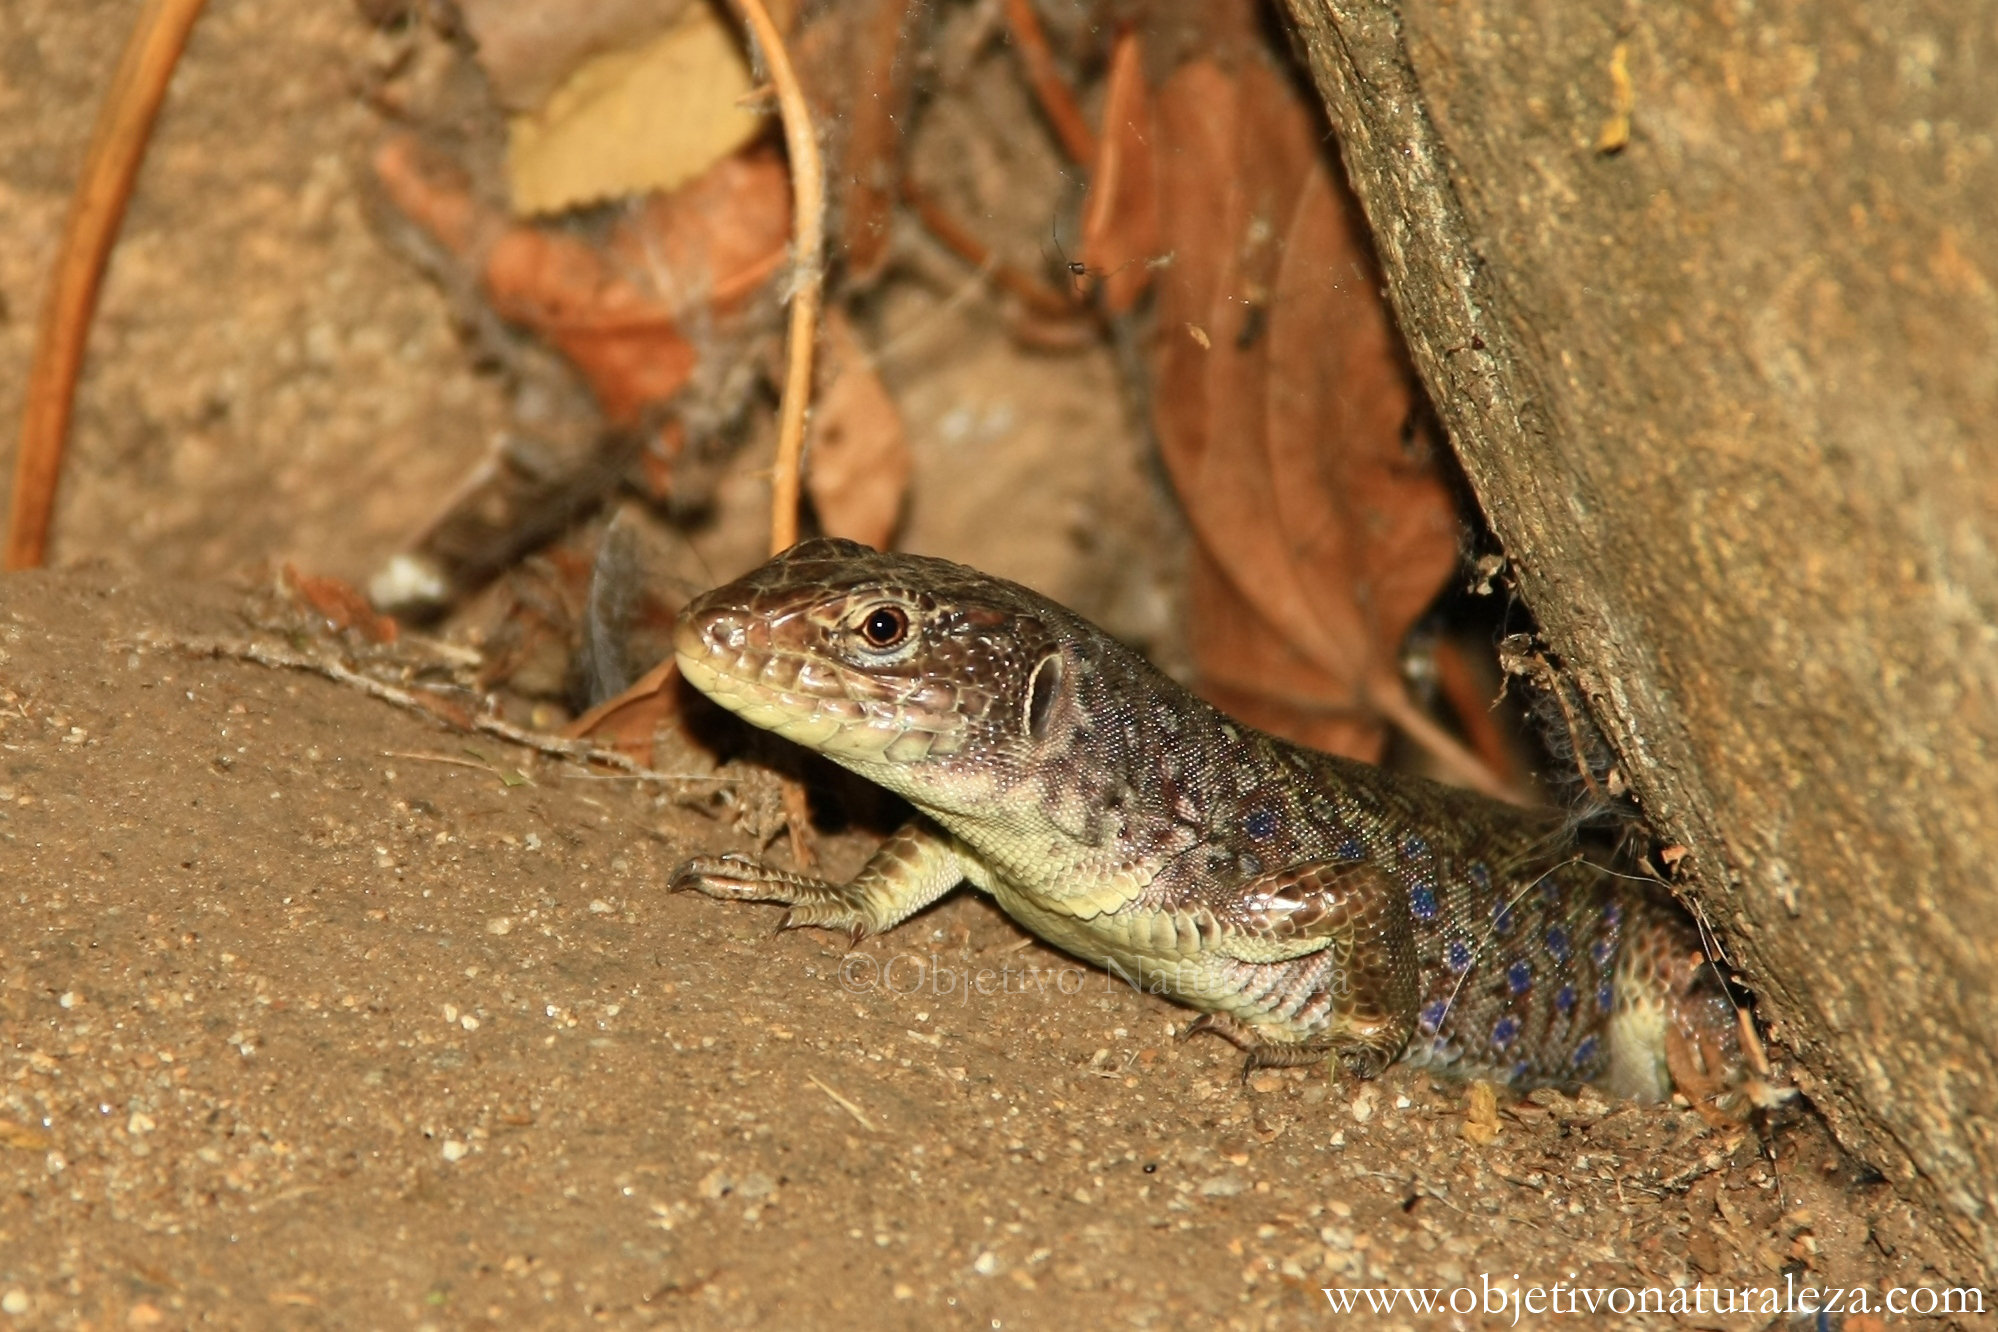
1308	905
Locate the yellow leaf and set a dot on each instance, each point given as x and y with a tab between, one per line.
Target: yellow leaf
649	118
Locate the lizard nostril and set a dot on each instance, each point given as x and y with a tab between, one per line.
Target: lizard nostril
716	631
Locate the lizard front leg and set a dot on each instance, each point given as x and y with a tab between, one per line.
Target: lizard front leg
912	869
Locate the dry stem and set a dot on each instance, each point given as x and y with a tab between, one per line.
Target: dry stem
1056	99
117	146
808	202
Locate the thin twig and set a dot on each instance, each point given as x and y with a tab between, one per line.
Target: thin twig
436	758
1455	758
1056	98
1457	685
281	658
1036	295
808	227
117	146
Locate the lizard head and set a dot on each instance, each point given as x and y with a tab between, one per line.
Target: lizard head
929	678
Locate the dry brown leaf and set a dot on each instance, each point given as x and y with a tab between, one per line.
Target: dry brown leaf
1321	533
857	469
620	309
1120	223
341	605
628	722
1257	675
618	316
651	117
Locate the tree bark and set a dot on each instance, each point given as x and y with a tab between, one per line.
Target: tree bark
1704	295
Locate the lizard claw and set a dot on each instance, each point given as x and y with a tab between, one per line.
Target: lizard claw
1364	1063
1205	1022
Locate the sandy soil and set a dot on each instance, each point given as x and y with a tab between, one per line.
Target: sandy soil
314	1013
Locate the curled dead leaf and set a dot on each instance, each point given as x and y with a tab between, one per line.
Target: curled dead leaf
1120	221
341	605
628	722
1287	417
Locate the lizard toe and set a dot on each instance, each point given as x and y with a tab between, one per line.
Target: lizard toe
729	877
1264	1056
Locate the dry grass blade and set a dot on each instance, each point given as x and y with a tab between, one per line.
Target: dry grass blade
117	146
845	1104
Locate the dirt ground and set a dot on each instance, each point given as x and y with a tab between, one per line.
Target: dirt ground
315	1013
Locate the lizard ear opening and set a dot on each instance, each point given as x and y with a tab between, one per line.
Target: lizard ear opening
1042	690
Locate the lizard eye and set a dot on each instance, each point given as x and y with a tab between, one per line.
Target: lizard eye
885	627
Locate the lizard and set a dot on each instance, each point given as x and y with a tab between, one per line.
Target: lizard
1309	906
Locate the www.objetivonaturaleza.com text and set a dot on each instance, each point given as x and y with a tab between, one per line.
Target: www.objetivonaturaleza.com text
1564	1298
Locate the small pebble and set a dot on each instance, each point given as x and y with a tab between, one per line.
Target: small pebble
455	1151
1481	1121
499	925
14	1302
987	1263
